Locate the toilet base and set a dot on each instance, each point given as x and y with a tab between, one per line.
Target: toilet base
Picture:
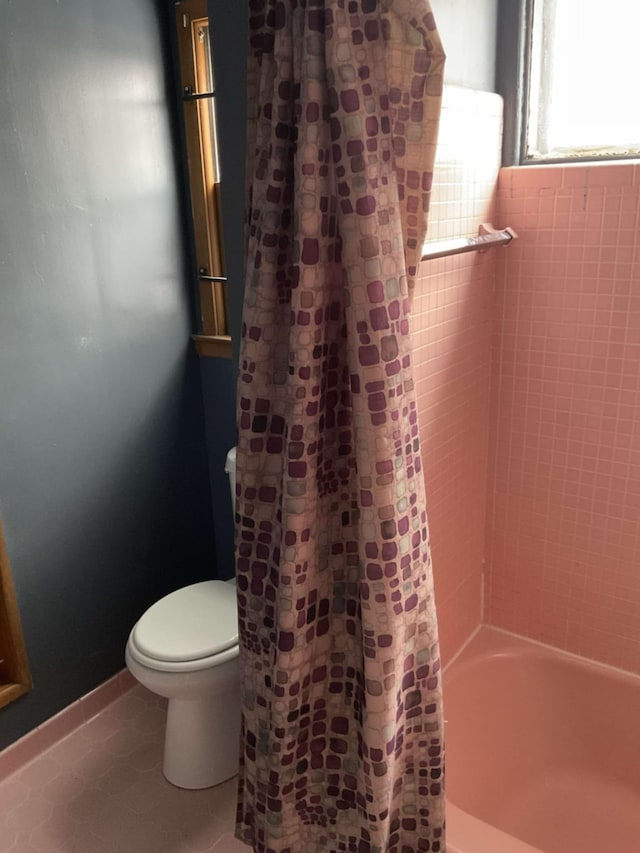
202	741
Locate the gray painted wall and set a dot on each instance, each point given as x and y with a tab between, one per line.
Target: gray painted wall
468	30
104	489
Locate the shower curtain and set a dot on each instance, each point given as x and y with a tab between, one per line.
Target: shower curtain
342	741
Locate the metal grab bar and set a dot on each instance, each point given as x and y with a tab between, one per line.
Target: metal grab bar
488	237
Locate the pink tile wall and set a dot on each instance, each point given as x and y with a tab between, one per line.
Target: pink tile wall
452	359
563	538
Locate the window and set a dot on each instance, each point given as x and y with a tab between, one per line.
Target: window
577	65
198	94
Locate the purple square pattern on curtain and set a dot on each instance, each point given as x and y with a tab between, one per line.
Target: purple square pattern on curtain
342	744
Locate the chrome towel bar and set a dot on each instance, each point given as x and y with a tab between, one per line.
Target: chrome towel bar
488	237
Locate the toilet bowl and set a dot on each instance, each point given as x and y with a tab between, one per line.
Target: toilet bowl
185	648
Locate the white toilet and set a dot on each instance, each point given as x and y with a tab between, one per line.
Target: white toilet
185	648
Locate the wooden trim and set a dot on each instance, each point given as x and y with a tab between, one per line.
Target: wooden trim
15	677
212	346
200	124
219	290
9	692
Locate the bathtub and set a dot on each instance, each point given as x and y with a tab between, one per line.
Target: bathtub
543	751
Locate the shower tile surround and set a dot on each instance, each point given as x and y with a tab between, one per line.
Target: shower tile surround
563	534
528	379
451	320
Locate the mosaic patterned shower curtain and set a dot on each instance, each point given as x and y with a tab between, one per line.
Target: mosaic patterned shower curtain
342	721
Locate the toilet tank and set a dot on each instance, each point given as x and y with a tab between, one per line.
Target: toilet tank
230	470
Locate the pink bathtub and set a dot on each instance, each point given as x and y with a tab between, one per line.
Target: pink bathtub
543	751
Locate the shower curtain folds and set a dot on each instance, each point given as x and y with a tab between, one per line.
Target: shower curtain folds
342	744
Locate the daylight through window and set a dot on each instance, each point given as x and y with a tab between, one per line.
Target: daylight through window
583	67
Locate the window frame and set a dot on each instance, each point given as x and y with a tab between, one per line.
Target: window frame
198	116
15	677
513	16
513	80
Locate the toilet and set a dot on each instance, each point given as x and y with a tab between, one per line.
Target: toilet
185	648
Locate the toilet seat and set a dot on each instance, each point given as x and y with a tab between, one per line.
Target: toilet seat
180	666
193	628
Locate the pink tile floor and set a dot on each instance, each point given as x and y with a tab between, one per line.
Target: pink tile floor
101	790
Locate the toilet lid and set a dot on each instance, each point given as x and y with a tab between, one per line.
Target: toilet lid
191	623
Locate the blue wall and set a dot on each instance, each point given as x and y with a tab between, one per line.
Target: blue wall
104	489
